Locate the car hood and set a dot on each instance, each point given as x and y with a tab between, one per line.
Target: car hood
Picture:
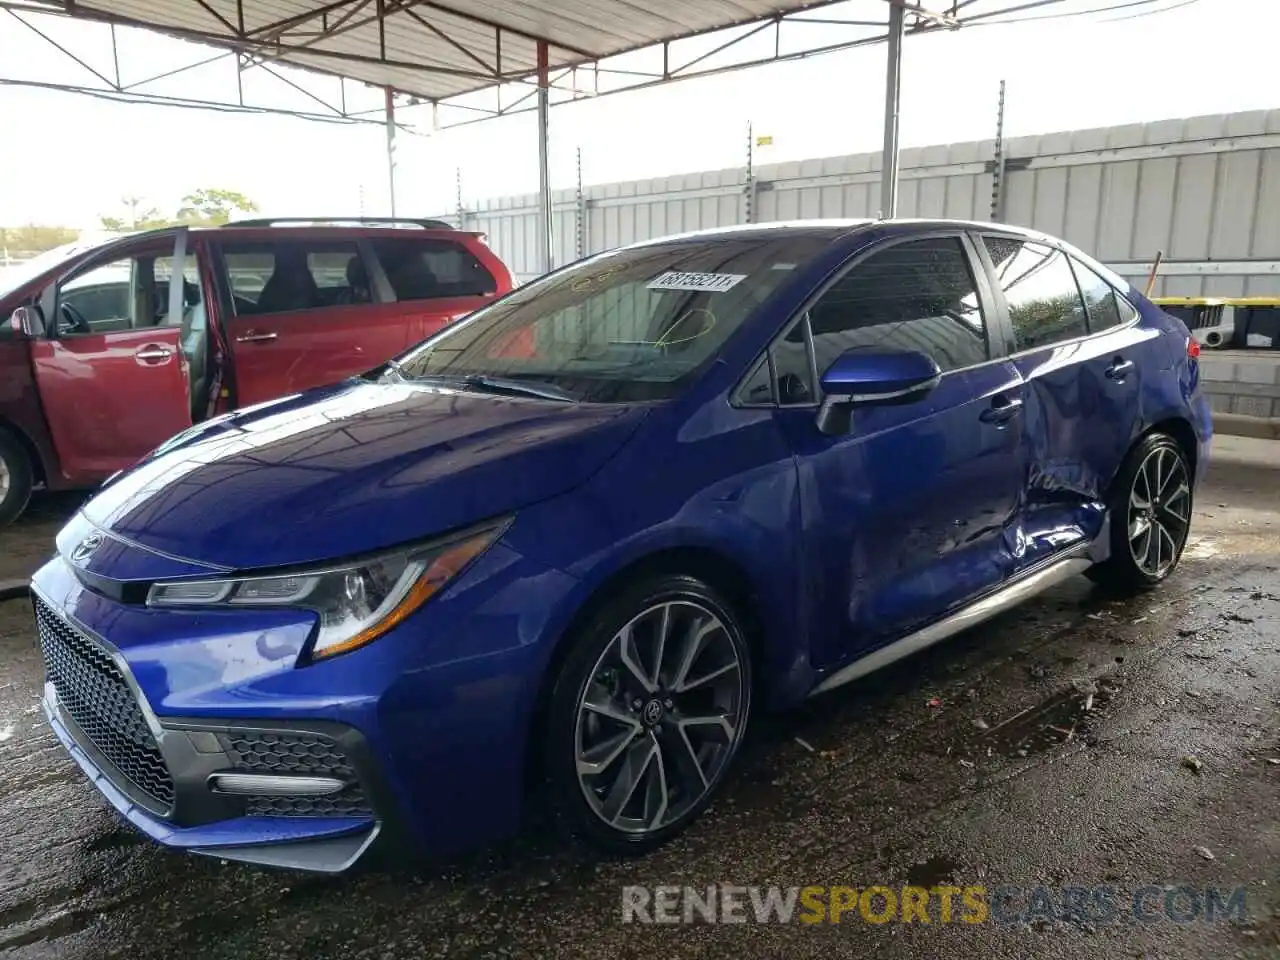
352	469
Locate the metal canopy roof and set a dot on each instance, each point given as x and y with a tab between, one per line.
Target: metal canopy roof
434	49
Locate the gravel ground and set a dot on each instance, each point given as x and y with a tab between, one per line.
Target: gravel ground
975	763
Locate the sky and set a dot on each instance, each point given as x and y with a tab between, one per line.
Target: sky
80	155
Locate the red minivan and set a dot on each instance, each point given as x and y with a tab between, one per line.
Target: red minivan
103	358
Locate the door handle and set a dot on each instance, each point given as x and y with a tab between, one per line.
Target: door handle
1119	369
255	337
1001	411
153	355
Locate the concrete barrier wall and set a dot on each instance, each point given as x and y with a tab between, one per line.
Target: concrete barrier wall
1241	382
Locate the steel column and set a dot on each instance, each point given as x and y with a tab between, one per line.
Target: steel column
544	173
544	160
997	167
391	147
892	105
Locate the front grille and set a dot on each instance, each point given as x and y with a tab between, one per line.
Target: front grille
311	754
93	691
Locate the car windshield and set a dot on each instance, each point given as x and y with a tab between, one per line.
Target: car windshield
637	324
14	276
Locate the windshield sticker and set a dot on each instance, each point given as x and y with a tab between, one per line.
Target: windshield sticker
707	282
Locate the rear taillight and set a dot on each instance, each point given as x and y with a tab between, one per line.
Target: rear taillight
1193	348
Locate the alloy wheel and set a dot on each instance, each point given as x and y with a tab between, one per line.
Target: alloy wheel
1159	511
659	716
6	479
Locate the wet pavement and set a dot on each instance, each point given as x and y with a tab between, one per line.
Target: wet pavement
1079	741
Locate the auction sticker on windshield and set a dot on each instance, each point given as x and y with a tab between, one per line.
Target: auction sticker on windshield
709	282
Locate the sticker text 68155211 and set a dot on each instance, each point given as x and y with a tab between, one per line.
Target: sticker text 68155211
705	282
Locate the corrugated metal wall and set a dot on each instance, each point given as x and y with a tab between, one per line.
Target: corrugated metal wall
1206	190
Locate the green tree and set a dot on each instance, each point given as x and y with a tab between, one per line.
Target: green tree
214	206
201	208
137	217
34	238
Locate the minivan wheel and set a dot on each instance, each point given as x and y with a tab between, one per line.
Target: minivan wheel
15	479
1150	513
647	714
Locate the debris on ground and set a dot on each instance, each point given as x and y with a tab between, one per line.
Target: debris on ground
1194	764
1206	853
981	724
934	702
806	744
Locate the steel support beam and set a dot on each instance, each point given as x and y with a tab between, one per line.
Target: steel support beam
892	106
544	159
391	147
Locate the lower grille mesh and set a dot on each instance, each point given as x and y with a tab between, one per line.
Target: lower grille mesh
311	754
93	691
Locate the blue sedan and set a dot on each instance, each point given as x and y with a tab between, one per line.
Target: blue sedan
563	550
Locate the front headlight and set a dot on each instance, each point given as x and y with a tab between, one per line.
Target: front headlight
357	602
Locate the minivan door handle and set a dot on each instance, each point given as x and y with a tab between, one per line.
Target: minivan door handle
1001	411
153	355
253	336
1119	369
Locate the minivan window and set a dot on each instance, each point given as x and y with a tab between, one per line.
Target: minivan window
430	269
632	325
1044	302
284	276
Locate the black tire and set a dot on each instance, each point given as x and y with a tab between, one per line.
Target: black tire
1129	567
15	478
568	722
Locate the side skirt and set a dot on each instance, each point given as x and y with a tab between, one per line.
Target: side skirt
1050	574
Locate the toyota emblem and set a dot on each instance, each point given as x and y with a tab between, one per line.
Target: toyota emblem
84	549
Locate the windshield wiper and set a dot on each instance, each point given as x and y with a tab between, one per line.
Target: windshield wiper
487	384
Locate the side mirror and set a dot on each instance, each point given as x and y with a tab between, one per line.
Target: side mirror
26	321
871	376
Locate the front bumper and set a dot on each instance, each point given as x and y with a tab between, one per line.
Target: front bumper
431	721
326	845
303	795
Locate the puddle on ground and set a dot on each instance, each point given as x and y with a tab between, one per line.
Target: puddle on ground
1066	717
934	872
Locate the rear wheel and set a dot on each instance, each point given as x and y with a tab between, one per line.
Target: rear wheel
15	478
1150	513
647	714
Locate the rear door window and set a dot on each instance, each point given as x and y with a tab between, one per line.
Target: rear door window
1099	298
286	276
431	269
1044	302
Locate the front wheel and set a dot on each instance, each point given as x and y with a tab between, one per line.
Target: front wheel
15	479
647	713
1150	512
